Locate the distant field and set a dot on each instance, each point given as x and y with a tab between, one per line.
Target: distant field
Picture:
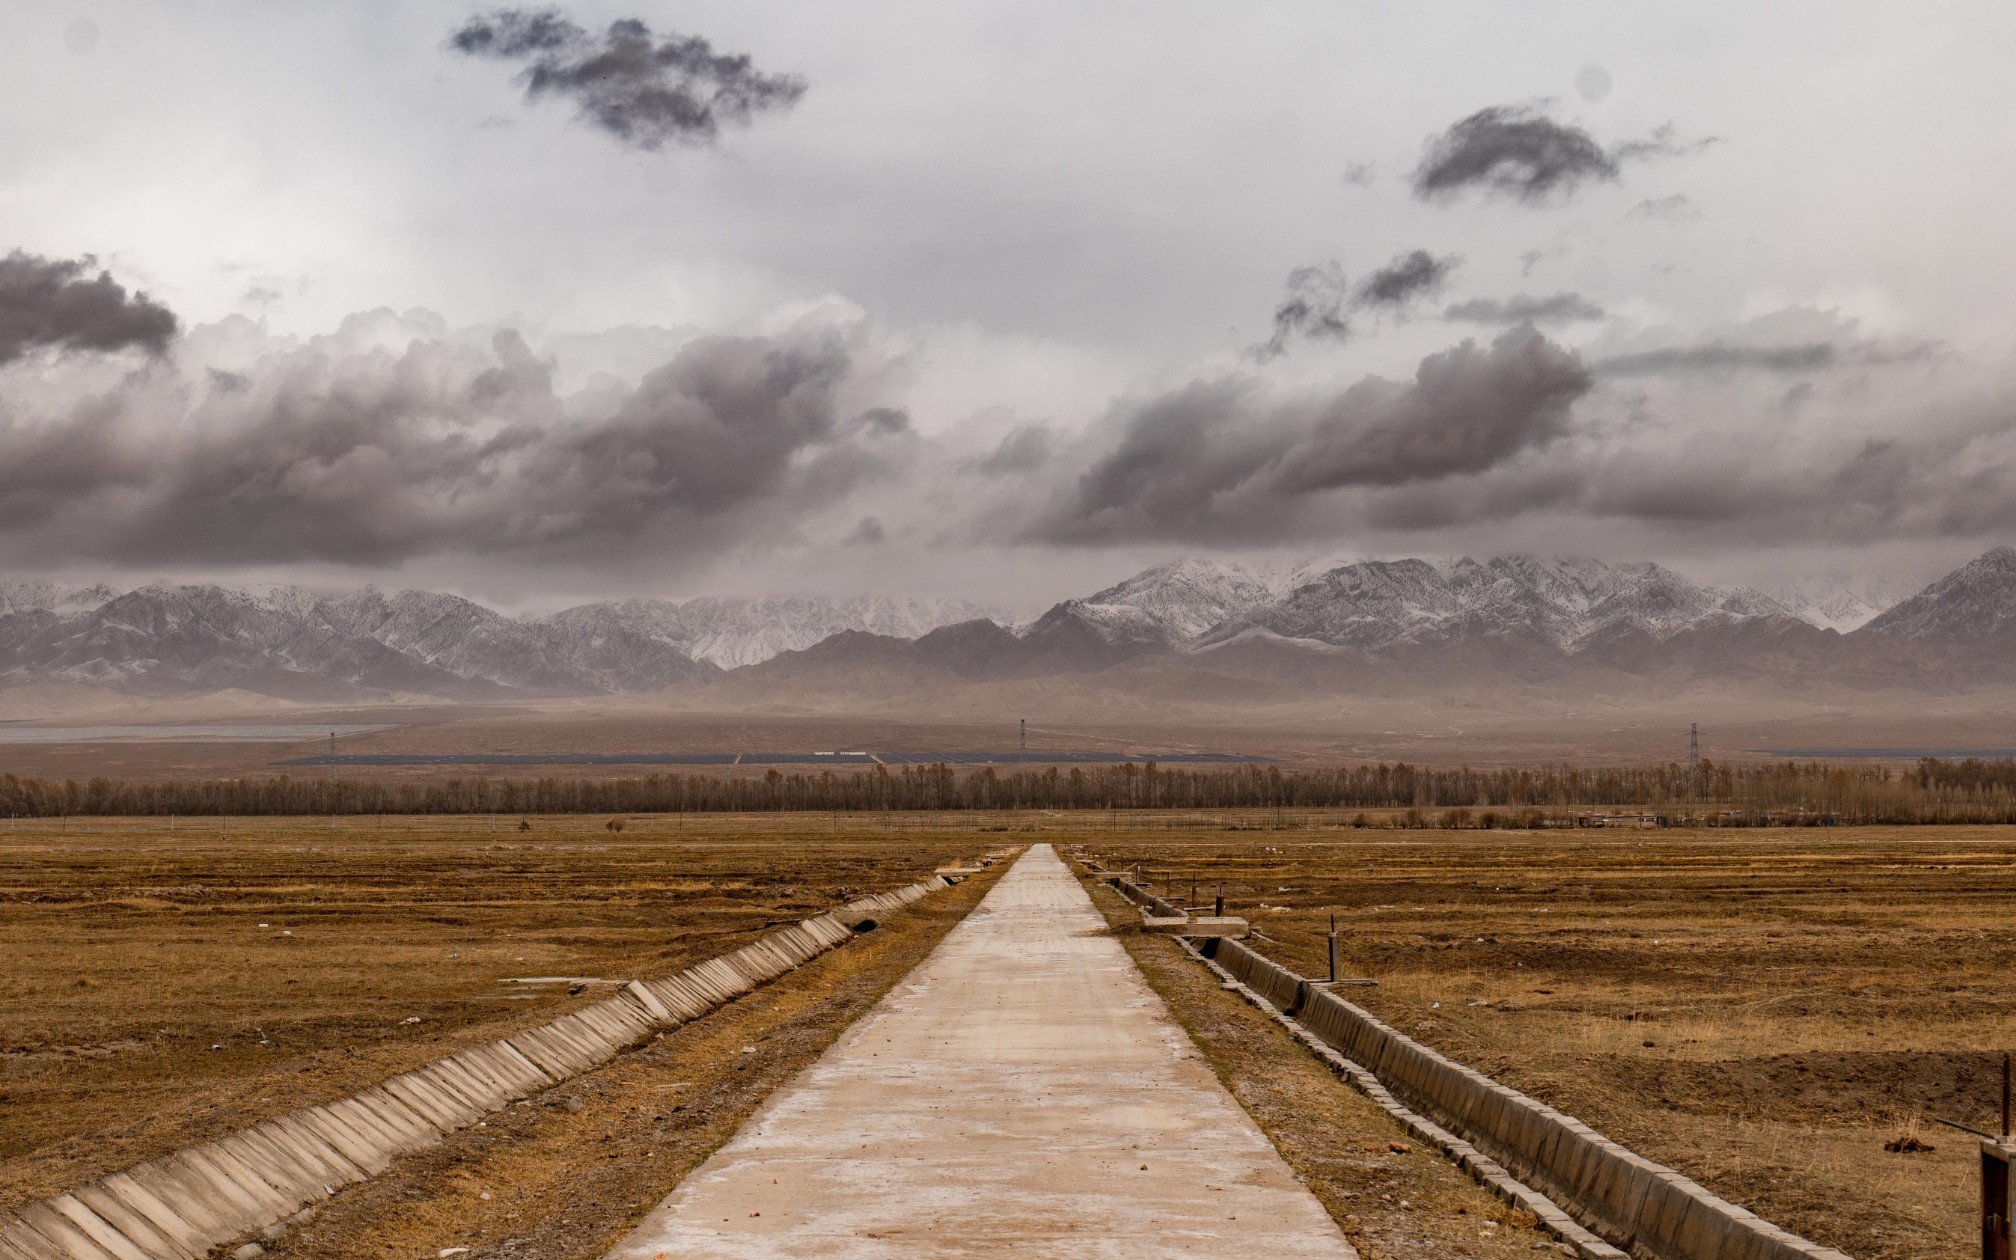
166	986
1761	1009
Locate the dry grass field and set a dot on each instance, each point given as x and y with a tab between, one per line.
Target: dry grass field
162	987
1761	1009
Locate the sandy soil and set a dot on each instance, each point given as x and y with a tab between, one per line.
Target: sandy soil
166	987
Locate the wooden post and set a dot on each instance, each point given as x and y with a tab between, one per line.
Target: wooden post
1995	1171
1998	1167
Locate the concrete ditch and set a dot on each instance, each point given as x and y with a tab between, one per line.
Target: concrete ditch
187	1204
1600	1197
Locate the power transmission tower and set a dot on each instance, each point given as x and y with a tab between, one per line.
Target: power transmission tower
1694	758
1025	735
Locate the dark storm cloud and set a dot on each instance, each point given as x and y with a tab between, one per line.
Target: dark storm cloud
1554	308
1518	152
644	91
1211	462
378	458
55	303
1321	300
1410	276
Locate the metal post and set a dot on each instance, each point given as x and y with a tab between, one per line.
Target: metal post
1333	949
1218	909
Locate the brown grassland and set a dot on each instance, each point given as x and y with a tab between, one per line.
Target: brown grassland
1762	1009
163	987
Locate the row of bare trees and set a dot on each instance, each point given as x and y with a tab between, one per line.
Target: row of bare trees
1932	791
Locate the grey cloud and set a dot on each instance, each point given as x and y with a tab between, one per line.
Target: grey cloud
372	457
1722	357
867	532
1554	308
1025	450
1321	300
1315	307
1212	462
1663	142
1410	276
644	92
1360	174
1518	152
1513	151
54	303
1674	208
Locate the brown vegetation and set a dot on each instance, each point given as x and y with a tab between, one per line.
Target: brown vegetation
166	986
1763	1010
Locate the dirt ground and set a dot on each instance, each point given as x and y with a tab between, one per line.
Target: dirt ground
166	987
1763	1010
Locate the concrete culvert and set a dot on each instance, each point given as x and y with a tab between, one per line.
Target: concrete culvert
866	925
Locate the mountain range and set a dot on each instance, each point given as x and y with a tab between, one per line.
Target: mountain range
1191	630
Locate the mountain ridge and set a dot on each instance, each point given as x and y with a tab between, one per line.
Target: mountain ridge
1508	621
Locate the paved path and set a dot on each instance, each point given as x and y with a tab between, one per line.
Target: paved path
1021	1092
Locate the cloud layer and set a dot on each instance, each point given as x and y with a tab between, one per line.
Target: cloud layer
1218	462
645	92
55	303
374	456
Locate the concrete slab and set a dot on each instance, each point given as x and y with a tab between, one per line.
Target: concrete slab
1022	1092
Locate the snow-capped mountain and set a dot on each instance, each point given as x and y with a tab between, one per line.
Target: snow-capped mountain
287	641
1548	614
1975	601
56	597
1379	603
1840	603
1170	603
733	632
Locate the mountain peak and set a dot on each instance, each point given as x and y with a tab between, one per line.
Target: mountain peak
1976	600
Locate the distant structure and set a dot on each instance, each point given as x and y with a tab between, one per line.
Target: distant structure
1694	758
1025	735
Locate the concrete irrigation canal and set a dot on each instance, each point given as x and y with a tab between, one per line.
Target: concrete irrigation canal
1022	1092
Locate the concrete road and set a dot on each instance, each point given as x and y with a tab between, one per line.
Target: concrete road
1022	1092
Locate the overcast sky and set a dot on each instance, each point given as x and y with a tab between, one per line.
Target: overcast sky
997	300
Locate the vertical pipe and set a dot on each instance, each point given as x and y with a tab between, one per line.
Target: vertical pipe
1218	908
1333	949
